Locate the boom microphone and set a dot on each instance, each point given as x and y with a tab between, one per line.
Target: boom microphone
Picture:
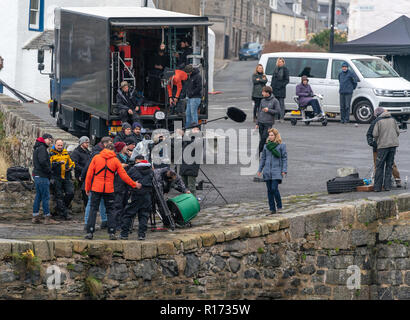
236	114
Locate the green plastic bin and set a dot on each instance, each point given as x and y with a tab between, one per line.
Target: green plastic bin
184	208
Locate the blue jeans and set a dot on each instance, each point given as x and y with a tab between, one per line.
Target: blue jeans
345	100
192	111
273	194
88	207
42	195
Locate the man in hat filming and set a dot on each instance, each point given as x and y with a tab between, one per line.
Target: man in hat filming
128	104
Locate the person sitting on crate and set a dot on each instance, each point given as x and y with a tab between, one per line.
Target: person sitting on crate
140	199
128	104
306	98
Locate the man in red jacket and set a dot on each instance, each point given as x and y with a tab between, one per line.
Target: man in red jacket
175	86
100	181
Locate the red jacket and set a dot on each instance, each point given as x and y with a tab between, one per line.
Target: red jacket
100	179
177	81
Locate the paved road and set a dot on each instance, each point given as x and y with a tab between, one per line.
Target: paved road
314	152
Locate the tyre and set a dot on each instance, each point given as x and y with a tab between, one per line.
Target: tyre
307	123
293	122
324	123
363	112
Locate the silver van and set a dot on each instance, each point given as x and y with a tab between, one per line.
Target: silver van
379	84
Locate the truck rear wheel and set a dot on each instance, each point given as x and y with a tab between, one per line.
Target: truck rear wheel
363	111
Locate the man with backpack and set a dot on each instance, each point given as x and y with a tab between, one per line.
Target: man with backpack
100	184
371	142
386	134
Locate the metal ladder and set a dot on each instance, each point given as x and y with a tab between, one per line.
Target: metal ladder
119	70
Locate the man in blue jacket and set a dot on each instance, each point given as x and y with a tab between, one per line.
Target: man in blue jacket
347	82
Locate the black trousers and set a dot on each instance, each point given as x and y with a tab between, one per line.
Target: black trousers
140	205
263	134
256	106
384	168
120	201
130	118
63	190
109	206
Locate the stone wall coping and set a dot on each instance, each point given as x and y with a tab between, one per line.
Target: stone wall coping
327	219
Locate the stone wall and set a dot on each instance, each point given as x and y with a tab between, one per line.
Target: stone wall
23	128
16	202
304	255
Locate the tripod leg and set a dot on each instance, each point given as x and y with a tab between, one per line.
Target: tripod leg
217	190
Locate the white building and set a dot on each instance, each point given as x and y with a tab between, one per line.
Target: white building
366	16
27	24
24	25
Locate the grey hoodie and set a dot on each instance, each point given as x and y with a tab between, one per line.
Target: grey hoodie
274	108
386	132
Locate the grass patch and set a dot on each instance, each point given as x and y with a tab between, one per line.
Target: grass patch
94	287
24	262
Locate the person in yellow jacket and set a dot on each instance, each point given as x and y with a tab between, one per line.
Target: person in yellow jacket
61	183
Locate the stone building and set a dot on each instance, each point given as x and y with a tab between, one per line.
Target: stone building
309	9
27	25
236	22
341	14
287	25
183	6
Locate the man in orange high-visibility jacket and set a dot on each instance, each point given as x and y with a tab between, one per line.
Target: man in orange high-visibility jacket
100	181
175	86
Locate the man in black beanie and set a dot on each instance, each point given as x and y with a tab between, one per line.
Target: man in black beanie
124	134
41	175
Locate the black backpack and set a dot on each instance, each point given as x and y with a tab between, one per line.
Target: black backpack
19	174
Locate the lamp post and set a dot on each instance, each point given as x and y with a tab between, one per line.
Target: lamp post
332	26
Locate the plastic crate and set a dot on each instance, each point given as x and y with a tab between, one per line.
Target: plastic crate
149	111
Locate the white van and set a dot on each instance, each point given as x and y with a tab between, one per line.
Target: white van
379	84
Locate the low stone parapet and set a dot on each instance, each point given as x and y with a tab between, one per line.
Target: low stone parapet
303	255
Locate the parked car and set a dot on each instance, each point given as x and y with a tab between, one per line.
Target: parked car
379	84
250	50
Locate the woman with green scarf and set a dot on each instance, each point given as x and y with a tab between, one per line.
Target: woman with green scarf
274	163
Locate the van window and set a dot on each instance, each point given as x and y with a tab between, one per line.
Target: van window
336	68
313	68
374	68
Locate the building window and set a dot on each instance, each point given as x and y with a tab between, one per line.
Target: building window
273	4
257	16
253	14
36	15
264	17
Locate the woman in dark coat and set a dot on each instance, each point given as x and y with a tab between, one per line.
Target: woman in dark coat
280	78
259	81
274	163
